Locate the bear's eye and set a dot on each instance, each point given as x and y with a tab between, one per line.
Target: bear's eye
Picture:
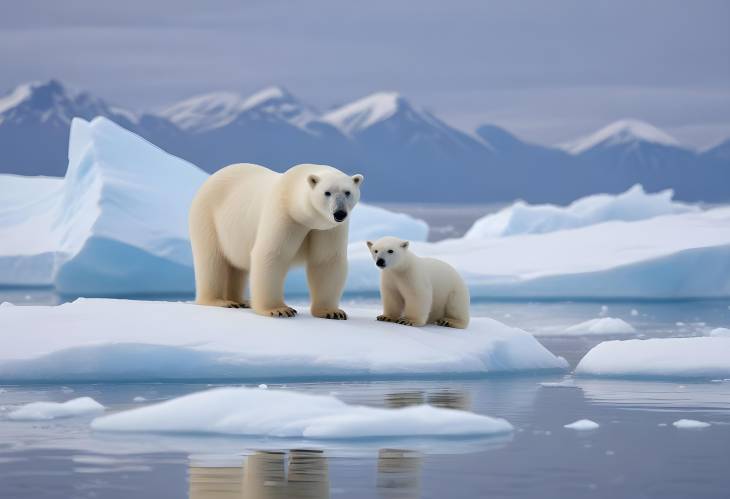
328	193
347	193
376	251
390	251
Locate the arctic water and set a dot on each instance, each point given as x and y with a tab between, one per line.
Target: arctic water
635	452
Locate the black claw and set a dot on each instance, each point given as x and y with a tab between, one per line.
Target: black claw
280	314
272	314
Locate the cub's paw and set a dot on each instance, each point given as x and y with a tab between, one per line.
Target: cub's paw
444	323
385	318
281	312
405	322
239	304
335	314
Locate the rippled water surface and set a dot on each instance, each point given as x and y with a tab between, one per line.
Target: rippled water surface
636	452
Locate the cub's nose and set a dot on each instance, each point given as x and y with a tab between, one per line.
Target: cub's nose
340	215
380	263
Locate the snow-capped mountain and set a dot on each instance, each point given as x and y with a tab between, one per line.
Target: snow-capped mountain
622	132
406	153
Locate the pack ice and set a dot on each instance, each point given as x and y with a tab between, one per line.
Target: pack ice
116	224
287	414
107	340
697	357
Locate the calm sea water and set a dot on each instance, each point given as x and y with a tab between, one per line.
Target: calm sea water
635	453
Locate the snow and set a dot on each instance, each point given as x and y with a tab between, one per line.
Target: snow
117	223
42	411
582	425
281	413
699	357
151	341
690	424
363	113
522	218
720	332
16	96
621	132
204	112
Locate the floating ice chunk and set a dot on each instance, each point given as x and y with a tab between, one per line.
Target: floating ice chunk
41	411
700	357
280	413
568	383
175	341
139	399
522	218
582	425
634	312
720	332
603	326
264	386
690	424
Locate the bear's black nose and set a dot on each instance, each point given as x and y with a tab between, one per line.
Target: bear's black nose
340	215
380	263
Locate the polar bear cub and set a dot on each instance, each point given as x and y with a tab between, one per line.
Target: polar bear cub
250	223
418	291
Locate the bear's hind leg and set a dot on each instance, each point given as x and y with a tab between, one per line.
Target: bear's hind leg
236	287
457	309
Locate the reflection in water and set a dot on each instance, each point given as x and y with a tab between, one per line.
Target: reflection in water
447	398
264	476
398	473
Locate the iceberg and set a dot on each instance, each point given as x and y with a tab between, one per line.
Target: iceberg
632	205
698	357
128	340
582	425
44	411
602	326
287	414
116	224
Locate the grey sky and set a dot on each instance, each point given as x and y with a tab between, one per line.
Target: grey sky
547	70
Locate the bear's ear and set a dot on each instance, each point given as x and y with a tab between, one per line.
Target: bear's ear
369	243
358	179
404	245
312	179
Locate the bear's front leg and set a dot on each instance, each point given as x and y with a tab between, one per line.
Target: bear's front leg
326	281
392	302
417	307
267	286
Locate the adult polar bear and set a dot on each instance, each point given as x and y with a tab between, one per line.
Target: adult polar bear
247	221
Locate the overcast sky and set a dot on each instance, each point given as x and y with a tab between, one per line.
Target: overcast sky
546	70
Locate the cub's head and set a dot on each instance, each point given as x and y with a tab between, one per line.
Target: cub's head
388	252
333	194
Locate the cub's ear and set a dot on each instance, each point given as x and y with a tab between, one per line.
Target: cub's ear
369	243
404	245
358	179
312	179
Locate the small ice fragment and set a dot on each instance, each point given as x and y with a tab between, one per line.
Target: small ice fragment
6	304
720	332
690	423
604	310
582	425
679	323
263	386
139	399
634	312
568	383
610	453
662	424
66	389
42	411
507	316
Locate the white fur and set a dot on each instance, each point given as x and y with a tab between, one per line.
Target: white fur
418	291
248	222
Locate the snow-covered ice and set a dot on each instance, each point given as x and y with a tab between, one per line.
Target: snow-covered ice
699	357
117	223
690	424
720	332
582	425
281	413
42	411
104	339
523	218
602	326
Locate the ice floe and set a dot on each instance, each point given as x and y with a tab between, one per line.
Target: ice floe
582	425
602	326
690	424
43	411
281	413
720	332
699	357
106	339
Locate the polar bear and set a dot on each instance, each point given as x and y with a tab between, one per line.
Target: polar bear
247	221
417	291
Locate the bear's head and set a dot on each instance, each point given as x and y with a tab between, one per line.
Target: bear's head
389	252
333	195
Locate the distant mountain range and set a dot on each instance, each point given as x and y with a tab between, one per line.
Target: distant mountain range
406	153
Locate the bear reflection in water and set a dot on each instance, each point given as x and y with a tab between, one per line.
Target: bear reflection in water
265	475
